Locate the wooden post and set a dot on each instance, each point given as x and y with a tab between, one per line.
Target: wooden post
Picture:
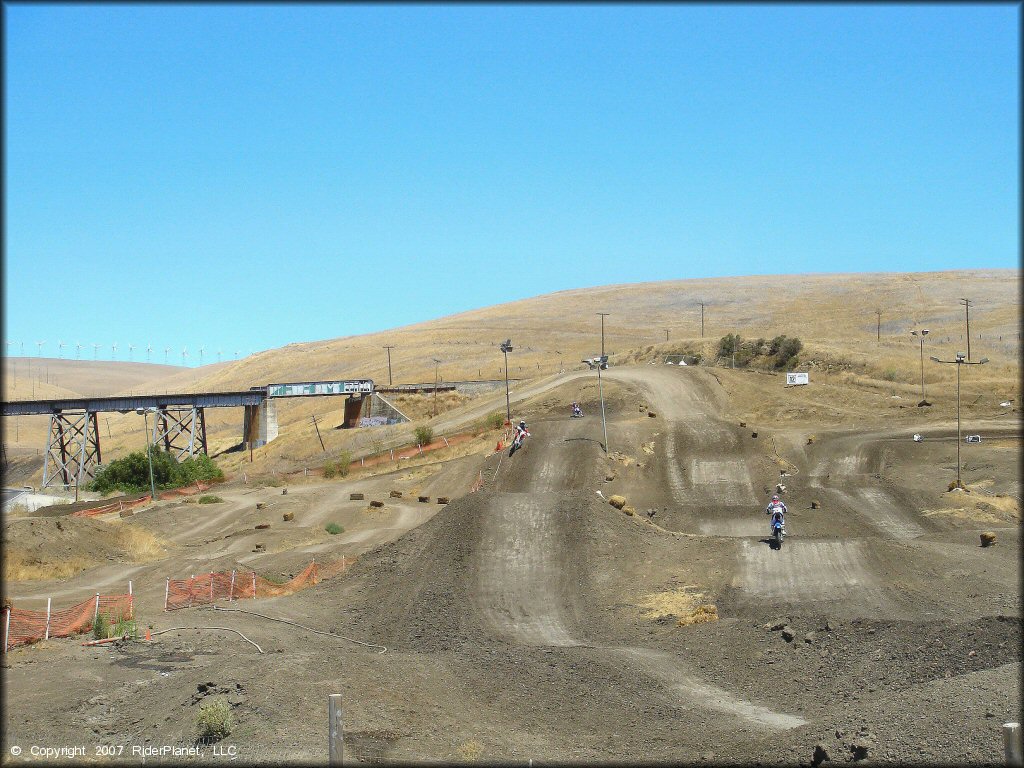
1012	750
131	601
335	745
47	636
167	591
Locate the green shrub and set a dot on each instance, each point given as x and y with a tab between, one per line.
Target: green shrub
208	499
728	344
787	350
126	627
343	463
101	627
214	720
334	528
424	434
329	470
496	420
131	473
891	374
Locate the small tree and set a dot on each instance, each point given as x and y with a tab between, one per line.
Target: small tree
728	344
424	434
343	463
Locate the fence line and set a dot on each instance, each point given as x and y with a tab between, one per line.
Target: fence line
23	627
119	506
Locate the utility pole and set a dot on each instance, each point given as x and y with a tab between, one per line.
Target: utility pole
921	334
506	347
701	319
437	363
879	329
958	362
967	308
317	427
603	316
389	347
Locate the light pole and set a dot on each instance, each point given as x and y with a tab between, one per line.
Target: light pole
967	309
506	347
389	347
436	363
149	451
600	389
603	316
960	360
921	334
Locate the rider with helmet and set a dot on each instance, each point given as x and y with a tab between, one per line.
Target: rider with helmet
777	507
521	430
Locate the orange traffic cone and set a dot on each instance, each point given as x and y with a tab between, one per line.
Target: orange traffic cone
148	636
498	447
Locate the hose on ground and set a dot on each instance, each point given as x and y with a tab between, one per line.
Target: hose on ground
224	629
301	626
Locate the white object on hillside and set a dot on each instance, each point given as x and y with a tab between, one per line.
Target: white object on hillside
797	379
1007	404
972	439
918	438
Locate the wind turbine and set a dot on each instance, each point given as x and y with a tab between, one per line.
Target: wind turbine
149	351
114	347
218	355
236	354
39	345
96	351
8	343
78	350
130	348
184	354
201	355
166	350
60	349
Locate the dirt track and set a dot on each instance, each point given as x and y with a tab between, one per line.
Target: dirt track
513	616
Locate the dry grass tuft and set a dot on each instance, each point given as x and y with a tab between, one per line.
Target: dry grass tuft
701	615
21	566
139	544
470	750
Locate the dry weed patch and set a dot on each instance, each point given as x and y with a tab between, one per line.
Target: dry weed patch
139	544
686	604
21	566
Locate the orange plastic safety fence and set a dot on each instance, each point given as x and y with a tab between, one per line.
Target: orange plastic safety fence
236	585
118	506
27	627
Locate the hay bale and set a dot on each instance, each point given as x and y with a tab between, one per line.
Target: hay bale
423	499
284	491
442	499
988	539
122	513
289	516
356	497
810	439
629	510
753	434
743	423
652	414
260	504
815	504
262	526
617	501
396	494
376	504
260	548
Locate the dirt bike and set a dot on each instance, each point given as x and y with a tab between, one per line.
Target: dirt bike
777	530
576	414
517	443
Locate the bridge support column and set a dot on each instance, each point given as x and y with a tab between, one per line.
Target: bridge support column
182	431
259	425
72	449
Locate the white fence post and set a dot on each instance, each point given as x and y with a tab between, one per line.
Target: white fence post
254	585
336	744
445	441
1012	748
131	600
392	454
211	586
47	636
167	591
232	590
191	589
7	628
96	613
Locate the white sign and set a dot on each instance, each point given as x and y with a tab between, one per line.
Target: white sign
793	379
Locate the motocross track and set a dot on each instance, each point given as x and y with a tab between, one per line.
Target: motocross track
514	622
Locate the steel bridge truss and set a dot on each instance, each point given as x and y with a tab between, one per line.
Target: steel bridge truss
181	430
72	448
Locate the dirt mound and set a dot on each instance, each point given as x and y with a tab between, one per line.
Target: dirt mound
54	548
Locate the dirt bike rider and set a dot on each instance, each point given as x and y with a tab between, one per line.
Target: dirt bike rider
521	431
576	410
777	507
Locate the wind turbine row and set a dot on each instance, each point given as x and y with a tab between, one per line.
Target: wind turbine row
113	348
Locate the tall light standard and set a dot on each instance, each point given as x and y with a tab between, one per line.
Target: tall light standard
389	347
603	316
960	360
506	347
149	451
436	363
602	361
967	309
921	334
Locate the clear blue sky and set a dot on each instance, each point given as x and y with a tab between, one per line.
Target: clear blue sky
241	177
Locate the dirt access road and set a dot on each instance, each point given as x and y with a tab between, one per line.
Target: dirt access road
532	620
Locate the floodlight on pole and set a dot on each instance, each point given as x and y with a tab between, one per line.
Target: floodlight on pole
960	360
506	347
603	316
389	347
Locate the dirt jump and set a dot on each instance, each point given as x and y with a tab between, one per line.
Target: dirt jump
531	620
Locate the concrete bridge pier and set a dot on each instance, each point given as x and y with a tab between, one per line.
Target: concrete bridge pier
259	424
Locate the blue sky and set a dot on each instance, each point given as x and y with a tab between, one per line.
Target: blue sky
240	177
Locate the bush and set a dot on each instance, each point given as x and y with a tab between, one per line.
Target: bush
101	627
131	473
214	720
343	463
496	420
424	434
728	344
210	499
334	528
329	470
891	374
787	350
126	627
